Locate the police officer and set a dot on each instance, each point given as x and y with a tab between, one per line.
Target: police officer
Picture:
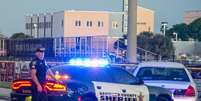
38	75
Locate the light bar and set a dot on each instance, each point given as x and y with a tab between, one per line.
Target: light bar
89	62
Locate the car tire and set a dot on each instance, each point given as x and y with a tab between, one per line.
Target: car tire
163	98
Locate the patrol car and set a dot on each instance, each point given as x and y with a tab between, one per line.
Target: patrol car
93	80
170	75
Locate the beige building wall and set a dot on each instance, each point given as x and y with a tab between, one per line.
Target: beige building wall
145	20
190	16
71	30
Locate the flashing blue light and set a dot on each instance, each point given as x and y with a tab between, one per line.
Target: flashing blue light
89	62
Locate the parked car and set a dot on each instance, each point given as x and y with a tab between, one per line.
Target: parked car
172	76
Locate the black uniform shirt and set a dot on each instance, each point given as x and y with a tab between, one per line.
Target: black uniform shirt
41	69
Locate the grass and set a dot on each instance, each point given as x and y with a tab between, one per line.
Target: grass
5	85
1	95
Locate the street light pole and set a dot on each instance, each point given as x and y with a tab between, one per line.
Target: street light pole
176	36
132	30
36	30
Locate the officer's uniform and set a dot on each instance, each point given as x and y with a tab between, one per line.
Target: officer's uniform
41	70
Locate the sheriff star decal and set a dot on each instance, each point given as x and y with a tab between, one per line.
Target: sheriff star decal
141	97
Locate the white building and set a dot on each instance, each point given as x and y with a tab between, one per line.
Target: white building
75	24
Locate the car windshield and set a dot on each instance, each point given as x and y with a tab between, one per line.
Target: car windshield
159	73
110	74
84	74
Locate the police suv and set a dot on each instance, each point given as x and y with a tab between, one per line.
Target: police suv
92	80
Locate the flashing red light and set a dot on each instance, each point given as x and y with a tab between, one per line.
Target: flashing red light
79	99
19	84
56	87
65	77
190	91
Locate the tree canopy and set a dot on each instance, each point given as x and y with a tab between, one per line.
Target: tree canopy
186	32
182	31
195	29
155	43
20	36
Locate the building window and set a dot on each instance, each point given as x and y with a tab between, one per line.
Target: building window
100	23
87	23
90	23
27	25
46	24
115	25
62	23
77	23
42	25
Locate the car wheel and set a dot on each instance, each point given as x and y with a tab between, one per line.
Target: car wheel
163	98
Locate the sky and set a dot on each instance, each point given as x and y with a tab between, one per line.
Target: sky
13	12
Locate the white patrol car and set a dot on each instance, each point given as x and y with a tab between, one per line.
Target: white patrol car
89	80
172	76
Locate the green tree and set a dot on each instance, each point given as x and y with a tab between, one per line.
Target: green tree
185	32
182	31
155	43
20	36
195	29
162	45
144	39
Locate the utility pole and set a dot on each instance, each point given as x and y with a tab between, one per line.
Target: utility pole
132	30
164	25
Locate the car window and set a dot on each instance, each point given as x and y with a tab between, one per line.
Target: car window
159	73
122	76
99	75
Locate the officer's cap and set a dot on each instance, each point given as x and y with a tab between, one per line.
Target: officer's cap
41	49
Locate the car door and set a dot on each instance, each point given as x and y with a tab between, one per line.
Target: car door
121	89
